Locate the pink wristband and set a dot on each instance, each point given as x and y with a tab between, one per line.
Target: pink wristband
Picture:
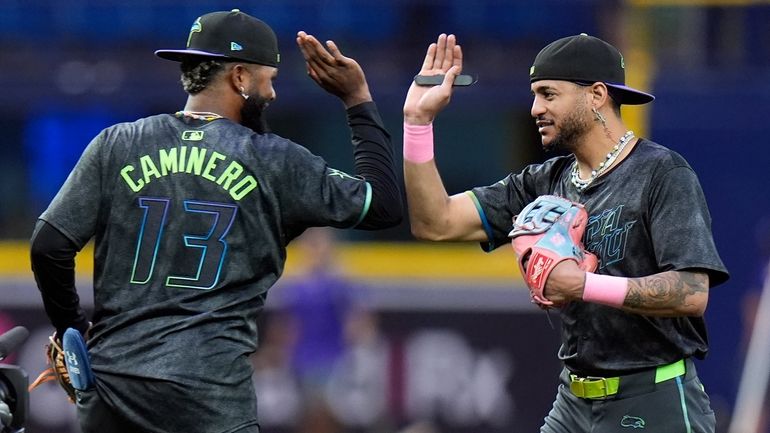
605	289
418	143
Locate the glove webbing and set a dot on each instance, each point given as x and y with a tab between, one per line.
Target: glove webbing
57	370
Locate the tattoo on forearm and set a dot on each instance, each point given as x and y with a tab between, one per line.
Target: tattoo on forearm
667	289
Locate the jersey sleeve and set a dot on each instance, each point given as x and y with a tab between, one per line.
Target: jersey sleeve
498	204
319	195
374	161
75	208
681	225
494	211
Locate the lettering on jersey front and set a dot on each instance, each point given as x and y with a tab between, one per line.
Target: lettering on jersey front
607	234
192	160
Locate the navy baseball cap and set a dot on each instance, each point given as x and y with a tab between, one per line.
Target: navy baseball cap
230	36
585	59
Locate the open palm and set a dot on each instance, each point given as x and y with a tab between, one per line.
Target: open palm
444	57
329	68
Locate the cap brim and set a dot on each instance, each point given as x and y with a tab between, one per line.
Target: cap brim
179	55
628	95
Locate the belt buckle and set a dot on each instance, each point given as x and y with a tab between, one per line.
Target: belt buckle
578	386
605	387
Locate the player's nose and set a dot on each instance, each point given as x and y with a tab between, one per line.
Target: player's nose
538	108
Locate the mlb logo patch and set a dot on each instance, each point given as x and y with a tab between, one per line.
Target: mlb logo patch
192	135
235	46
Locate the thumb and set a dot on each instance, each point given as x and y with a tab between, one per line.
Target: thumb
449	77
335	51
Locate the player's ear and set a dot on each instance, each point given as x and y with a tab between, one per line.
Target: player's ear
240	78
599	94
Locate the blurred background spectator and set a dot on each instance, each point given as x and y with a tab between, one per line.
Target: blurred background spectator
314	308
318	304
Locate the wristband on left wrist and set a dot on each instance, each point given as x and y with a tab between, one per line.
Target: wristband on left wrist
605	289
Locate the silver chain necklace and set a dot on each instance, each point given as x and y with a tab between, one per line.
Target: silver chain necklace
581	184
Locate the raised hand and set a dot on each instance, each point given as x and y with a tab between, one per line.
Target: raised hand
339	75
422	103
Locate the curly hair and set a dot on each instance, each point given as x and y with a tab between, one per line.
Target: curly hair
197	74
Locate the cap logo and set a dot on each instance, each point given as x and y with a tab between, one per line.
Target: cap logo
532	70
277	57
622	62
234	46
196	28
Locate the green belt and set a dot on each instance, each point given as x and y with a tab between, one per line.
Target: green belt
602	387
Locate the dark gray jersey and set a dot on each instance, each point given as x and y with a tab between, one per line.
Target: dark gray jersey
647	215
191	220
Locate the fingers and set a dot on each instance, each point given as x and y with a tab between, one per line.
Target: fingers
307	53
336	53
458	58
302	43
438	60
427	64
317	58
449	50
312	50
443	54
323	63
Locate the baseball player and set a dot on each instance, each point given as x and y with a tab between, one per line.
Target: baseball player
191	213
632	322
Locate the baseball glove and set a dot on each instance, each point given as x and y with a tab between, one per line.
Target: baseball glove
546	232
57	369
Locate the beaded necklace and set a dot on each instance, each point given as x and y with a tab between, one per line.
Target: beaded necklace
581	184
201	115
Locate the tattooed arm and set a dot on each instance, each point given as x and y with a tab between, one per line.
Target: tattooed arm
670	293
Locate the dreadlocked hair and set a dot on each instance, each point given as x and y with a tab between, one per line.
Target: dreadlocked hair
197	74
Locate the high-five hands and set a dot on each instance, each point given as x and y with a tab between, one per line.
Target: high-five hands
339	75
422	104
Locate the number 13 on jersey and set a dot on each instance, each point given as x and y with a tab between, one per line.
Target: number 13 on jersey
211	246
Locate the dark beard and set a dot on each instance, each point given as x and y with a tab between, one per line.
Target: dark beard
572	129
252	114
